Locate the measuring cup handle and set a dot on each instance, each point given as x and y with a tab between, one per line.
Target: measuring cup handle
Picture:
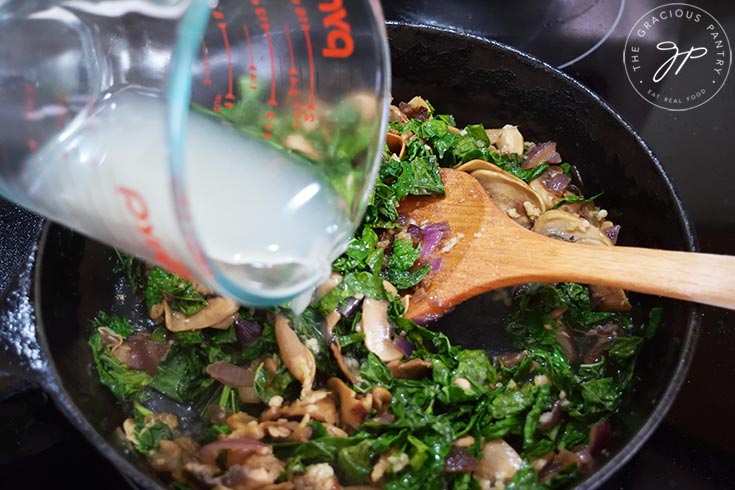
21	354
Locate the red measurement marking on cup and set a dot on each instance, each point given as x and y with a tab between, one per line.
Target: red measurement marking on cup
298	110
137	206
230	95
293	79
302	15
207	67
339	36
262	14
270	116
251	57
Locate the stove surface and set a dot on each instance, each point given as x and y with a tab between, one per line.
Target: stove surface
694	446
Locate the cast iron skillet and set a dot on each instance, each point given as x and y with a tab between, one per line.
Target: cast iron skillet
69	278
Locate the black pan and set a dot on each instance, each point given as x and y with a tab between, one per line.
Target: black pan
69	277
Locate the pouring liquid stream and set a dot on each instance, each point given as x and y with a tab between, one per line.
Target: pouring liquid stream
267	220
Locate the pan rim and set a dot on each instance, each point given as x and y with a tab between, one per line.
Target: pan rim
55	387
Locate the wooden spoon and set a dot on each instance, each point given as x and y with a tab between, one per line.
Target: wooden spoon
492	251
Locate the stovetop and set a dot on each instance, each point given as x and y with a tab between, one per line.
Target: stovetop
594	41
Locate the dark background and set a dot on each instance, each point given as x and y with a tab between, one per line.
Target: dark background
694	446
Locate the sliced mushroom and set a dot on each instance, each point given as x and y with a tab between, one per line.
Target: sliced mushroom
352	409
393	461
341	363
396	144
244	425
301	144
395	115
514	359
210	452
110	339
225	324
416	108
586	210
413	369
157	311
130	425
258	471
563	225
606	298
296	356
318	476
377	330
326	286
322	408
512	195
478	164
280	429
499	462
390	288
549	198
330	321
366	104
506	139
201	288
202	475
173	456
303	431
217	310
381	399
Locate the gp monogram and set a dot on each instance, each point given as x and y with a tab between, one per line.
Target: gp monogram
677	56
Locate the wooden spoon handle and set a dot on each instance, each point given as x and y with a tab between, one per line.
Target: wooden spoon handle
697	277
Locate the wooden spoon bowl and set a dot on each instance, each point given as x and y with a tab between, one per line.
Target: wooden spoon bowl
491	251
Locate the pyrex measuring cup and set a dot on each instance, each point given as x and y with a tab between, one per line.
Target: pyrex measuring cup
234	142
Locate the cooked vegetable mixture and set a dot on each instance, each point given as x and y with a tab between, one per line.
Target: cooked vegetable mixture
350	392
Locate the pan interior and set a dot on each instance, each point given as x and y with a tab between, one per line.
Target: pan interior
476	81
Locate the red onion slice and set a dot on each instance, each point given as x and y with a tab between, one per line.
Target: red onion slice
431	237
247	331
601	436
540	153
404	345
145	354
612	233
349	306
555	182
459	460
414	231
230	375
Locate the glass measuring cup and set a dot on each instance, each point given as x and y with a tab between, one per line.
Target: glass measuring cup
234	142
